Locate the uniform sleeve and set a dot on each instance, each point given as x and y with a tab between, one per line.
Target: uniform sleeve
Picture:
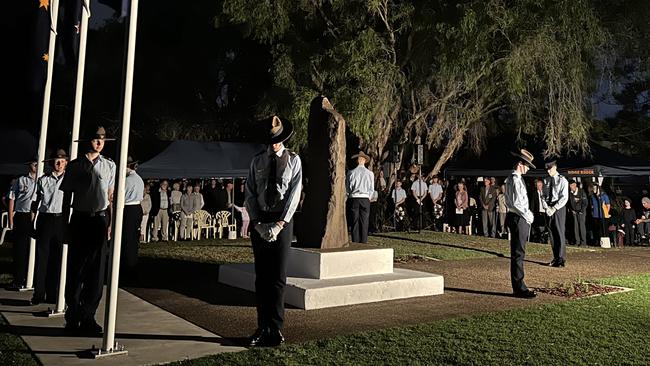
111	178
562	194
372	184
250	201
15	188
293	197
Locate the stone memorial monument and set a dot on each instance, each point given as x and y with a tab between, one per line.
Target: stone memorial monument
325	270
323	223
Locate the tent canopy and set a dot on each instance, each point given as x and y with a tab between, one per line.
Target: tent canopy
497	161
194	160
16	148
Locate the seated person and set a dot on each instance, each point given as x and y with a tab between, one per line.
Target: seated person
643	223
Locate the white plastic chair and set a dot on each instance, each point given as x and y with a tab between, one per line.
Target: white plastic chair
221	222
204	222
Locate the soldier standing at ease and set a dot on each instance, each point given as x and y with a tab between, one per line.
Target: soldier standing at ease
272	194
134	193
556	194
91	178
20	222
518	219
360	184
48	202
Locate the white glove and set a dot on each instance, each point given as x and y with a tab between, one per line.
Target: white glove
264	231
550	211
529	218
275	231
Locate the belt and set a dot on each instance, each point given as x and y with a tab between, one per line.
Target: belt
135	203
359	196
101	213
51	214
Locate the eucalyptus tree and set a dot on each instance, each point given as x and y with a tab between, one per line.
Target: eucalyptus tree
438	69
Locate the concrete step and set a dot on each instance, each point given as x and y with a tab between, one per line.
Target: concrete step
310	293
354	260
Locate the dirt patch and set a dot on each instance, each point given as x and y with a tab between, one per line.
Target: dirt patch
578	290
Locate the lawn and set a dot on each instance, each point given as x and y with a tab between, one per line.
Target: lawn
606	330
443	246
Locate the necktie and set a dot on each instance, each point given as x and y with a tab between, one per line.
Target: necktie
549	199
272	196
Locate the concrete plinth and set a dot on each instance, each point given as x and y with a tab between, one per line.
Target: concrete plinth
327	278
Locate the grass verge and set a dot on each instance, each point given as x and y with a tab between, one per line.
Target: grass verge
605	330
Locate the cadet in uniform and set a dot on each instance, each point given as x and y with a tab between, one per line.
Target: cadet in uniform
360	184
48	202
20	221
91	178
134	193
518	219
556	192
273	192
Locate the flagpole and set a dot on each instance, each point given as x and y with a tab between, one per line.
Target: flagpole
74	146
109	346
42	140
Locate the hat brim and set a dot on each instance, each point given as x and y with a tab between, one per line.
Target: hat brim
362	155
287	132
67	158
524	159
90	139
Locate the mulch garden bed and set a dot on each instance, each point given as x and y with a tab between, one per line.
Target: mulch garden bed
577	290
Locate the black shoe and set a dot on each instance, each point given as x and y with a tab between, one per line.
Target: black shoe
552	263
275	338
557	264
258	339
90	328
528	294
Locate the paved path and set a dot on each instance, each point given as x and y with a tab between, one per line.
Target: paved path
150	334
472	287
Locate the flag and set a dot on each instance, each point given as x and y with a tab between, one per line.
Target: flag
69	26
121	7
38	55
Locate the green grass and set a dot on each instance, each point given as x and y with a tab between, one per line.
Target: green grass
606	330
447	246
444	246
203	251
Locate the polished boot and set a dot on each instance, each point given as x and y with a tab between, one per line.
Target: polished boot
527	294
258	339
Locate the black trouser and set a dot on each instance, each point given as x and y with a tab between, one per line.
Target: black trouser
557	227
271	273
86	266
49	243
580	228
519	230
130	240
360	218
22	230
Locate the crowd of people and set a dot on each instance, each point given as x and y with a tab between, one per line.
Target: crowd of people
171	210
477	206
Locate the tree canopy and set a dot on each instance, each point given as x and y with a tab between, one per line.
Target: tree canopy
448	71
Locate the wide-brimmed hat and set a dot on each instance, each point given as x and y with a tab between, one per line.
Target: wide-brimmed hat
525	156
58	154
130	162
98	132
361	154
278	130
33	159
550	163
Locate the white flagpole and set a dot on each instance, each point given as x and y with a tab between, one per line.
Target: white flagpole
74	146
42	141
109	346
